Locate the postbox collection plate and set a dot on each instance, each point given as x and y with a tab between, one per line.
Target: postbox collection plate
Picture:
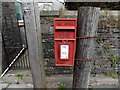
64	51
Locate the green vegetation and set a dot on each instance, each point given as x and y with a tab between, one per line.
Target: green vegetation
10	75
112	74
90	88
27	75
62	86
99	38
9	83
106	47
0	72
100	53
113	59
1	78
17	83
20	76
48	73
62	12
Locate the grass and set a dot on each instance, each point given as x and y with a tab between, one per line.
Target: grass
20	76
62	86
111	74
9	83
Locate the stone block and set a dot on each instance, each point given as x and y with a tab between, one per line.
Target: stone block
111	42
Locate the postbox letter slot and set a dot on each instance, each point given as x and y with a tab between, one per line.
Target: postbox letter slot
65	30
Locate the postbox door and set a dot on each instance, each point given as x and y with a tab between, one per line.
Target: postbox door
64	41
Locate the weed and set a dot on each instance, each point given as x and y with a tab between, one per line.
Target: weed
27	75
106	47
62	86
10	75
9	83
106	12
17	83
20	76
113	59
112	74
100	53
49	73
90	88
62	11
99	38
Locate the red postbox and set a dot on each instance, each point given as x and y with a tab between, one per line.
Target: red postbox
64	41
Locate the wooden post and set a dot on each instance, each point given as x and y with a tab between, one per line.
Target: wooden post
87	26
0	36
33	31
119	52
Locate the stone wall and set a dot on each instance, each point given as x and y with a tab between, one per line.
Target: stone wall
107	48
106	52
12	42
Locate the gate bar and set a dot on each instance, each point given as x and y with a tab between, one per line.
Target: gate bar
13	61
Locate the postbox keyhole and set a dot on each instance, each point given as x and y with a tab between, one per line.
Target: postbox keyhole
64	41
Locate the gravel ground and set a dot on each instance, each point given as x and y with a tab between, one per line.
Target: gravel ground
23	79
